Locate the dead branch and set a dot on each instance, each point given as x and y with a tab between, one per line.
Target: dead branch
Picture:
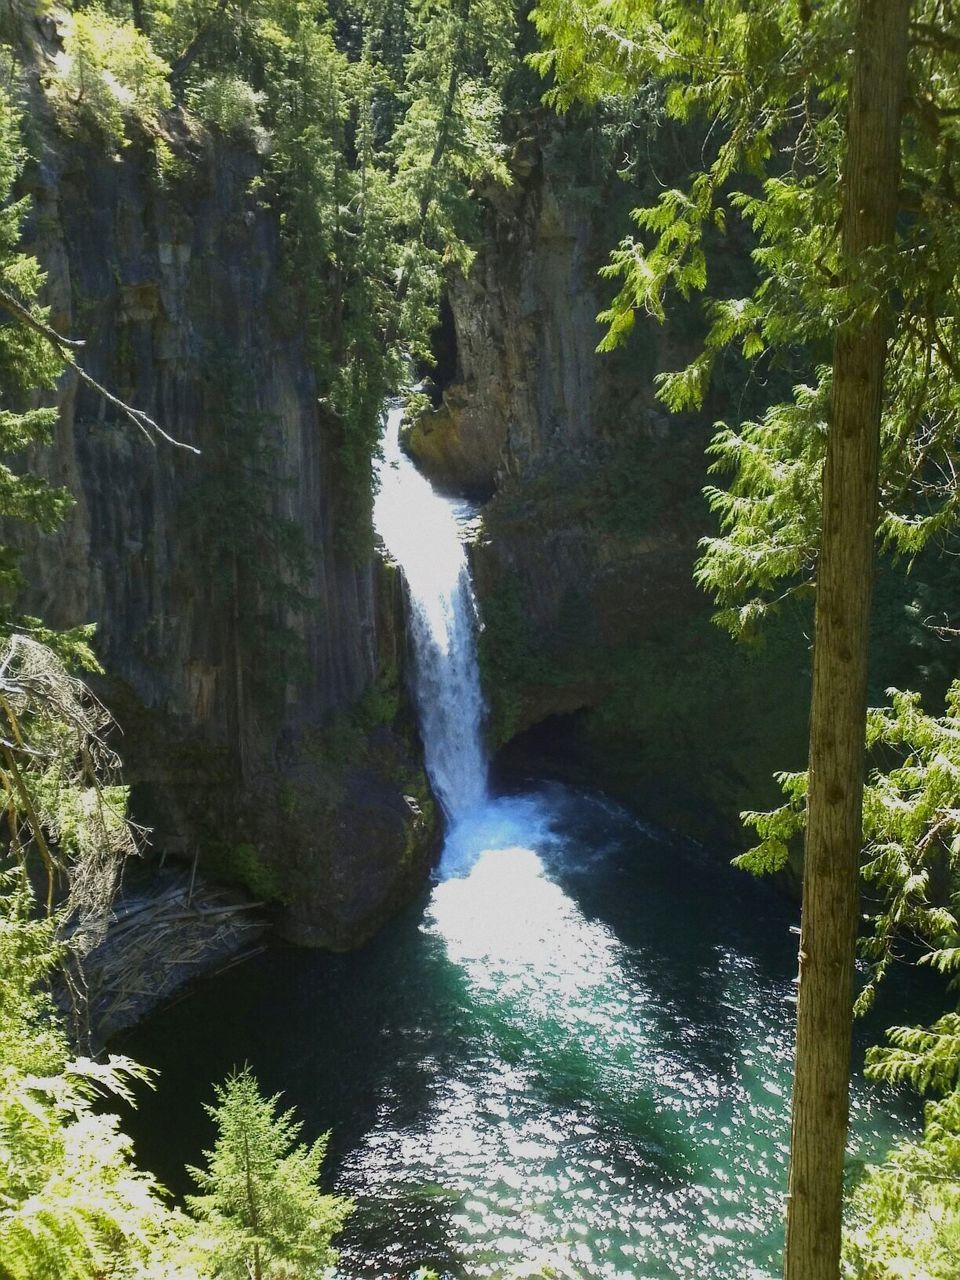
66	348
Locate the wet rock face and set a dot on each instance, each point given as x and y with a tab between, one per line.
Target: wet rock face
528	378
228	654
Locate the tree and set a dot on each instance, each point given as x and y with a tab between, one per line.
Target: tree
462	53
905	1215
831	888
27	362
821	169
260	1201
73	1203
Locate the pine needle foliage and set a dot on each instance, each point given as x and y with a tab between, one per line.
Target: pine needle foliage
376	124
108	75
73	1203
27	362
911	832
260	1204
905	1215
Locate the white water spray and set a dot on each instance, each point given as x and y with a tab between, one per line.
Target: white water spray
420	530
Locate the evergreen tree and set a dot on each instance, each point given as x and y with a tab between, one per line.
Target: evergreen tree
462	54
841	638
73	1203
822	198
261	1203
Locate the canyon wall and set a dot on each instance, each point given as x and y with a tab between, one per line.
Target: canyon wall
253	658
600	658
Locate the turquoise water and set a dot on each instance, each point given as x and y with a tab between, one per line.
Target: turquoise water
574	1051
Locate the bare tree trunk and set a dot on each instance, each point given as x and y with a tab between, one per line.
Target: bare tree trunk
838	712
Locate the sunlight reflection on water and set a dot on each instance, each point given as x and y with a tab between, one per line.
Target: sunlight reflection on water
591	1118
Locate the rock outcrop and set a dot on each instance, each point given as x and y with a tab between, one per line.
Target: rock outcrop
253	660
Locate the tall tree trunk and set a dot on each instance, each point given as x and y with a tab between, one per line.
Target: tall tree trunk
838	711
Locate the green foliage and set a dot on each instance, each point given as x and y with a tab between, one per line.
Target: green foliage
72	1201
227	101
27	362
912	827
242	864
760	73
928	1058
773	498
107	75
462	53
260	1208
375	125
776	828
911	830
905	1216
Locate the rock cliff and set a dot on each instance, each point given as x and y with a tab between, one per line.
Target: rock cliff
594	629
253	659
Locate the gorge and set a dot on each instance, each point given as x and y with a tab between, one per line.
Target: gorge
414	416
564	1057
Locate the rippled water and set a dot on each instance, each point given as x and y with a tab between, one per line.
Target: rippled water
574	1051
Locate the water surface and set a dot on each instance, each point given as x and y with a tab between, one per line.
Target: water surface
575	1050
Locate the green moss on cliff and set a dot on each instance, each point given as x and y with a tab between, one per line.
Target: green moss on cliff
244	865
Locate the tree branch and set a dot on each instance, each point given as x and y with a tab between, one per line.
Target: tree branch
66	347
927	33
137	416
10	303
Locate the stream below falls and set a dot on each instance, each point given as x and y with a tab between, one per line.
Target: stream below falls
574	1051
577	1049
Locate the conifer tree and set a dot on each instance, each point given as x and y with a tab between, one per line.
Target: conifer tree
27	362
73	1203
774	78
842	631
260	1199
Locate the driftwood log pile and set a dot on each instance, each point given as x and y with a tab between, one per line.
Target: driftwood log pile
160	937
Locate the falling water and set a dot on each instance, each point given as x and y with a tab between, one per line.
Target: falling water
420	530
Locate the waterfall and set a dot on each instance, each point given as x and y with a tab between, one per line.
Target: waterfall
420	530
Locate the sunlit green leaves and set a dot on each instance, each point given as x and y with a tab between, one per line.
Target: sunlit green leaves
72	1200
765	83
261	1210
905	1216
107	74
